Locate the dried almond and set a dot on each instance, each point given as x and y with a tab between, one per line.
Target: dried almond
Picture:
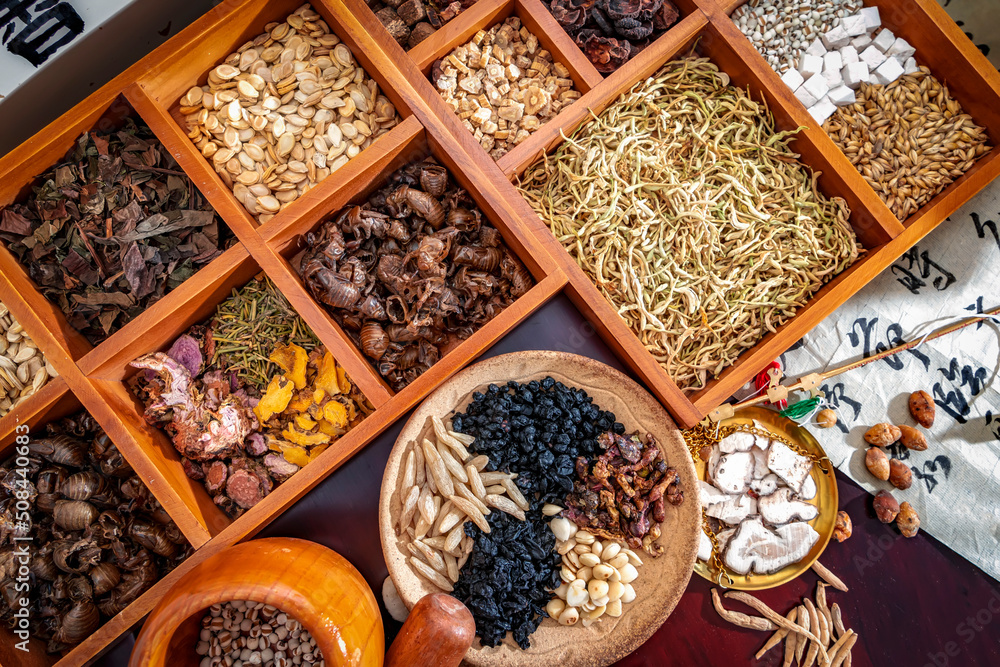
877	463
900	475
922	408
882	435
912	438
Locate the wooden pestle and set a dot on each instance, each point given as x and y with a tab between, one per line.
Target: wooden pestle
437	633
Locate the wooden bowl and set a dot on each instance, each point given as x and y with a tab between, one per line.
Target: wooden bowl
661	581
311	583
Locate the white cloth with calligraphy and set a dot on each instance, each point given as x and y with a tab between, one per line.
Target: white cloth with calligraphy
956	481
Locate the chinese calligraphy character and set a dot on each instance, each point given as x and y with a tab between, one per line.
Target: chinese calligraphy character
954	401
836	398
894	337
923	265
47	26
928	476
981	228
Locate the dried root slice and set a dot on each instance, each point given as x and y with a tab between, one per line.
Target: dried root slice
829	577
453	466
776	618
409	507
791	644
841	651
805	621
740	619
431	574
838	621
437	469
475	481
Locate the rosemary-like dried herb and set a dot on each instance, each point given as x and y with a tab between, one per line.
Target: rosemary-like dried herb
693	217
249	324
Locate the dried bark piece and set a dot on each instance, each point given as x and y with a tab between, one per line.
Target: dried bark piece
394	24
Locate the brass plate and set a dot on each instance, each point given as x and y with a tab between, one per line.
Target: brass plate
826	500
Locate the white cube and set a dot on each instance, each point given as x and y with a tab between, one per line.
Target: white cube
888	72
817	86
804	96
872	57
811	65
836	38
793	79
816	48
842	96
854	25
861	42
884	40
854	74
833	60
910	67
849	55
832	78
901	49
822	110
871	17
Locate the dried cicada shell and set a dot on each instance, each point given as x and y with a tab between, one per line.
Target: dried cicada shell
334	290
60	449
374	340
83	485
433	179
79	623
74	514
484	259
464	220
104	577
513	270
424	205
151	536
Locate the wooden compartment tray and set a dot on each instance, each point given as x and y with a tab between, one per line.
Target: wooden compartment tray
92	376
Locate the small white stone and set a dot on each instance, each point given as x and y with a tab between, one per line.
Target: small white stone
849	55
872	19
911	67
842	96
816	48
888	72
854	74
872	57
884	40
804	96
836	38
816	86
901	49
822	110
810	65
793	79
853	25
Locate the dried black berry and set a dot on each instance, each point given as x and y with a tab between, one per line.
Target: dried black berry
537	430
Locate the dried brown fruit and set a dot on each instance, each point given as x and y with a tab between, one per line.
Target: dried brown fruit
912	438
843	529
882	435
826	418
886	507
607	53
908	520
922	408
900	475
877	463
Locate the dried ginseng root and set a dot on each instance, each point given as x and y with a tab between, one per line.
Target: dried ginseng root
813	633
441	487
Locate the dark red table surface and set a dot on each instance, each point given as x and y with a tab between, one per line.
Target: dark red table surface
913	602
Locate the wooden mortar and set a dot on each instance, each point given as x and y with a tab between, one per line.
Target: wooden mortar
307	581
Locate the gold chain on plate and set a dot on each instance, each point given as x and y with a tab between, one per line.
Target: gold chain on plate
701	436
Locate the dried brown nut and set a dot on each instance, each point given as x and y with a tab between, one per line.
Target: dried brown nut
922	408
886	507
912	438
826	418
908	520
877	463
900	475
843	529
882	435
